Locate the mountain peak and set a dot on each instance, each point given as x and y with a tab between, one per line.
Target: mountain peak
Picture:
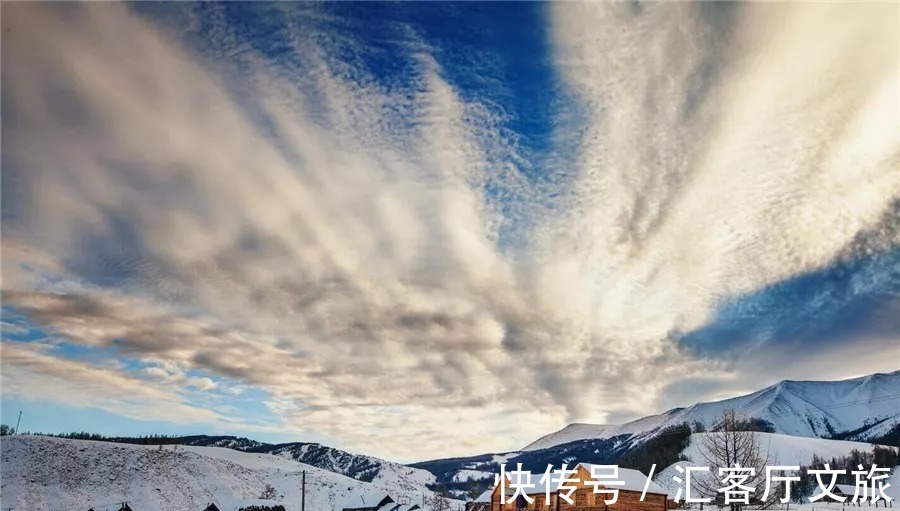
856	409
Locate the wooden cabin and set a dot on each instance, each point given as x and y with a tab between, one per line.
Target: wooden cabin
481	503
865	495
584	497
366	503
399	507
386	503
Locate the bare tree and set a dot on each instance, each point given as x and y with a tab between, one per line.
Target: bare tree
438	502
733	443
268	493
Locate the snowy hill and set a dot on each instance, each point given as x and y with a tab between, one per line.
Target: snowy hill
43	473
570	433
862	409
230	442
787	450
358	466
780	449
856	409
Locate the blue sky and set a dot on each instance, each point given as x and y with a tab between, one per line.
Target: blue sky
376	225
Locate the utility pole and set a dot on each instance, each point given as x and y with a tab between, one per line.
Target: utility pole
17	425
303	492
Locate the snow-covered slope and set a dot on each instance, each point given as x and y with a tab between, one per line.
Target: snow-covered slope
780	450
787	450
570	433
858	409
42	473
358	466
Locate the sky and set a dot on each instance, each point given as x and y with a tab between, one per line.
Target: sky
419	230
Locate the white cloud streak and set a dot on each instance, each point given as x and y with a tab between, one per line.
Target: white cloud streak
343	254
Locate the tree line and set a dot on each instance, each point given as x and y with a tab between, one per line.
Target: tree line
880	456
152	439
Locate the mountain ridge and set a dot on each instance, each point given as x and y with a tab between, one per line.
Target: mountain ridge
859	408
863	409
48	473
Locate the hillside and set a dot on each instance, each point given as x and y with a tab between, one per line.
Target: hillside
358	466
856	409
863	409
781	450
570	433
788	450
233	469
42	473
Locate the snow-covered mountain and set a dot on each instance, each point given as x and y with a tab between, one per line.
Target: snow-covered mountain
358	466
855	409
863	409
50	474
779	450
786	449
570	433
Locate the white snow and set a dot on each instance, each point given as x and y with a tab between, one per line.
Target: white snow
570	433
503	458
53	474
386	473
787	450
799	408
485	496
781	449
465	474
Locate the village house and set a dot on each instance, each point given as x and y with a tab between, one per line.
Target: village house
481	503
864	496
584	498
367	503
385	503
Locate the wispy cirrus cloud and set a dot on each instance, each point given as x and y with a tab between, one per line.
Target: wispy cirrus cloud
372	246
32	372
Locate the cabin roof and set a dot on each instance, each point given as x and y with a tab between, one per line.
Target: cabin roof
364	501
485	496
850	489
634	480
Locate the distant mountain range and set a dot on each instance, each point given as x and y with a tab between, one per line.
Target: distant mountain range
863	409
357	466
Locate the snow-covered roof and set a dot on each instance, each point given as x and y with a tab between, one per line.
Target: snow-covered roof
891	491
850	489
485	497
368	500
389	506
846	489
634	480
